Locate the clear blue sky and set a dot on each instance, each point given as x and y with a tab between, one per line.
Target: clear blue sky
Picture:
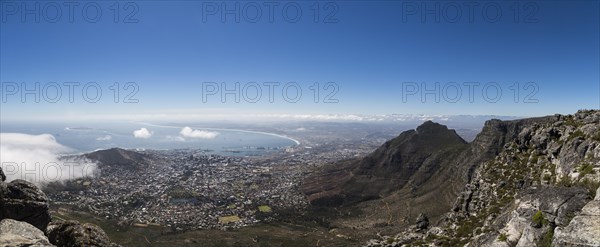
370	49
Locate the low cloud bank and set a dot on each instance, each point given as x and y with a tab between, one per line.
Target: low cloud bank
200	134
142	133
36	158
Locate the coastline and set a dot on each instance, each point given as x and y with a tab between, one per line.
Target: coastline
224	129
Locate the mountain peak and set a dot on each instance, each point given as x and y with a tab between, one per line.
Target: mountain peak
411	159
431	127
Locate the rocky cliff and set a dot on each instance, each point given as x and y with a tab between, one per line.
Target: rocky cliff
537	189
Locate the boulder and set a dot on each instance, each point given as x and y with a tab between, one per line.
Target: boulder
21	200
74	234
20	234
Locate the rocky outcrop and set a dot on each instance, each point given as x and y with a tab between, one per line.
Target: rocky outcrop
533	217
546	171
75	234
584	229
529	185
25	218
20	234
416	232
21	200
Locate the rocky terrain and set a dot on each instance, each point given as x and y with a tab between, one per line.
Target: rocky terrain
25	221
541	189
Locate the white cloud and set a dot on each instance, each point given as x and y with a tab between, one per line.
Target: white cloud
142	133
36	158
191	133
104	138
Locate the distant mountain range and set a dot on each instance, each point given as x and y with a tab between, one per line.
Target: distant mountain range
377	117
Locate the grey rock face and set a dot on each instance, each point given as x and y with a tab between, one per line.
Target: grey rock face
584	229
21	200
75	234
20	234
554	204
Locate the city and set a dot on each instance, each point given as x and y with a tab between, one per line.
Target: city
191	189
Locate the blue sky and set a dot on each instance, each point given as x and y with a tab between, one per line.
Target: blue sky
372	50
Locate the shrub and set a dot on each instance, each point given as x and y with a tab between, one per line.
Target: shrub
592	186
571	121
503	237
547	177
389	241
596	137
585	169
577	133
534	159
538	219
565	181
546	240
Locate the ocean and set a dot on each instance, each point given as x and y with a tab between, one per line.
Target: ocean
87	137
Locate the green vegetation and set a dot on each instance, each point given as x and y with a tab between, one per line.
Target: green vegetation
534	159
596	137
264	209
229	219
179	192
389	241
571	121
553	172
585	169
503	237
546	240
592	186
577	133
538	219
565	181
569	216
